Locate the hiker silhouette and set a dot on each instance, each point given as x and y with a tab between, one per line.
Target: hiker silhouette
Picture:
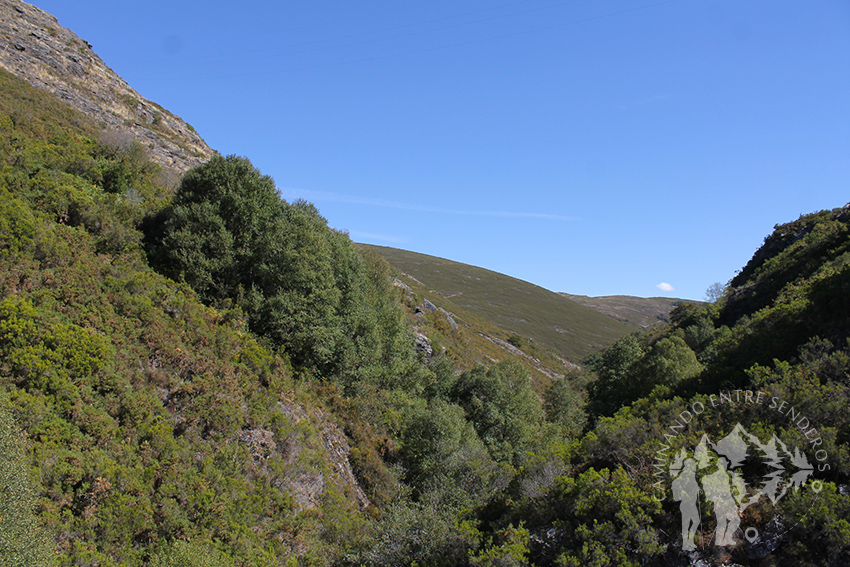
718	488
686	491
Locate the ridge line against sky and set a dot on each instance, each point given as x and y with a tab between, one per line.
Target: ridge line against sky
596	148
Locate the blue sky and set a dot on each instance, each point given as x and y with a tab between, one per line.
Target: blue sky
590	146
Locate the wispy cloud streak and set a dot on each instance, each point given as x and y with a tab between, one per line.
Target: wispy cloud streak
361	236
319	196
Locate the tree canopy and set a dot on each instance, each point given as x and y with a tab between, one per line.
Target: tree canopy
301	284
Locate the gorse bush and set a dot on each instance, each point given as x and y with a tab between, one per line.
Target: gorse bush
22	541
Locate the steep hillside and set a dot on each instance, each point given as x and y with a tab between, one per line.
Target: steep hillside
266	406
639	312
150	419
34	46
555	322
445	329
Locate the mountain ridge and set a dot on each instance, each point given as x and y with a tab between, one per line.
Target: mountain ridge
54	59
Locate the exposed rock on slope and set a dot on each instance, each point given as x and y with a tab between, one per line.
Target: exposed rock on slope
34	46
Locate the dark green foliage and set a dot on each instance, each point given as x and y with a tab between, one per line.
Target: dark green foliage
630	369
605	520
416	534
616	382
565	406
301	285
820	533
794	252
446	460
504	410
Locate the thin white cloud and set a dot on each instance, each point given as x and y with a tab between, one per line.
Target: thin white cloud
665	287
371	236
319	196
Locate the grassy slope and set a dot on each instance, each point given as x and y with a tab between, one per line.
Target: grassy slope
553	321
641	312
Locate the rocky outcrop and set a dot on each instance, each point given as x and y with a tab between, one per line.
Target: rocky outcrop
338	449
308	485
34	46
423	346
430	307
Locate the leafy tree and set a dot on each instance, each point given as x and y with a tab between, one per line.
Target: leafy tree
614	384
715	292
502	407
565	406
302	285
669	362
416	534
630	370
447	462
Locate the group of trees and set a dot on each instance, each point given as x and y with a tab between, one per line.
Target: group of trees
300	284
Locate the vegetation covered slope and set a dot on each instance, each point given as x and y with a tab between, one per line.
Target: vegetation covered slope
151	420
264	405
640	312
208	375
772	354
553	321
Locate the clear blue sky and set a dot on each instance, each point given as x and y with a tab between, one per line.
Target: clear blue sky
590	146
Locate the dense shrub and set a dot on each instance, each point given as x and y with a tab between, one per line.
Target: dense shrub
22	541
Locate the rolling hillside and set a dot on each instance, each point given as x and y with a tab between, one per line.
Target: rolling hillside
570	329
641	312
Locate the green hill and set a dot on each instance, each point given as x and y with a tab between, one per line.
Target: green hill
553	321
640	312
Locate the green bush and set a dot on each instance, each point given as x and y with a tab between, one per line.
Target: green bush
504	410
190	554
22	541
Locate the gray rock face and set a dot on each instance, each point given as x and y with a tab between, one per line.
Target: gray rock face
423	345
307	485
35	47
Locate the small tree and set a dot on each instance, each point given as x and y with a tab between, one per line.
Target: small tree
564	406
503	408
715	292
